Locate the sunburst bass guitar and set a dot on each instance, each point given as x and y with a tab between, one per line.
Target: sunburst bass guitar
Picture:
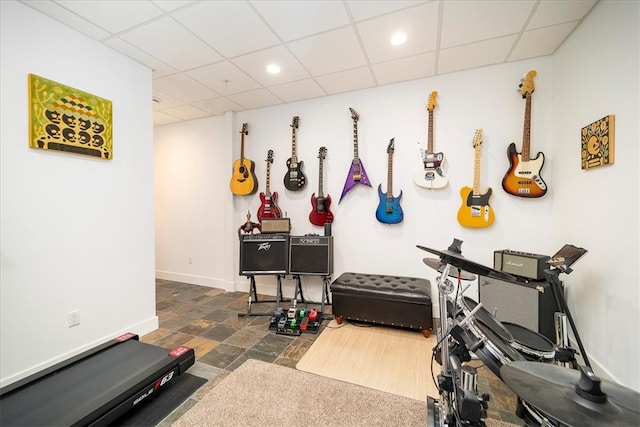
523	177
243	181
475	210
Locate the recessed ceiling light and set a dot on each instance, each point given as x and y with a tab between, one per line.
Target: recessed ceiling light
273	68
398	38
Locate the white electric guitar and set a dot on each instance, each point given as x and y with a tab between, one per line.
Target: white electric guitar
431	175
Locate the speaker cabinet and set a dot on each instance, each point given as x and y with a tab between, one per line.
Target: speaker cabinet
264	254
531	305
311	255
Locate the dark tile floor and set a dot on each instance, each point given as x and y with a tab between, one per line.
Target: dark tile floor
206	319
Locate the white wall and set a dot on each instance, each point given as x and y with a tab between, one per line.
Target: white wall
596	73
76	232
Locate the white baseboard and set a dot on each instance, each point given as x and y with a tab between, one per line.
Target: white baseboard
196	280
140	329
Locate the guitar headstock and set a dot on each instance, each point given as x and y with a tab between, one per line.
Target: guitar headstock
295	121
322	153
477	139
526	84
244	130
269	156
354	114
390	148
432	100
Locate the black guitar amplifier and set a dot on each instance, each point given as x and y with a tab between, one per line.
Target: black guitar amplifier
521	264
311	255
264	254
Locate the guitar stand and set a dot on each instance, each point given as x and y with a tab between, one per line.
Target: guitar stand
253	296
326	280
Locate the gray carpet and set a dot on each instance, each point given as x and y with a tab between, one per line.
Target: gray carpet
265	394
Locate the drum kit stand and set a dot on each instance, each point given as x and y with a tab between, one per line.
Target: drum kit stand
553	388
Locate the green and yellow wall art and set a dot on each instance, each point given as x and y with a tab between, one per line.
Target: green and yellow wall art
66	119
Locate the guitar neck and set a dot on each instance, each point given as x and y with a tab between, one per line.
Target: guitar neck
321	174
430	133
390	177
294	156
242	149
267	190
526	134
356	158
476	172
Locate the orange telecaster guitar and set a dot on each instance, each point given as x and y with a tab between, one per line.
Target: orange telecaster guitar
523	177
475	210
243	181
269	201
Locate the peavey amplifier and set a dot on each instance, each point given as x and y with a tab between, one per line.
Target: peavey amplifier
264	254
521	264
311	255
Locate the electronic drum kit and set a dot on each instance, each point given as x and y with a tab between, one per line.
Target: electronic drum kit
553	389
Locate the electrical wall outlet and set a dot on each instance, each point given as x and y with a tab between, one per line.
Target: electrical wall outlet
73	318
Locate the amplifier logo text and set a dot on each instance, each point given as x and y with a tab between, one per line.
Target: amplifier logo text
264	246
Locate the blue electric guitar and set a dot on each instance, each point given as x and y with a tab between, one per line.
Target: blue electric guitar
389	210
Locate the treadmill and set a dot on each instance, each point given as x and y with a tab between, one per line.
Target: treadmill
95	387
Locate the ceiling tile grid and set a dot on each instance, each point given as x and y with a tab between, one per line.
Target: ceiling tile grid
209	57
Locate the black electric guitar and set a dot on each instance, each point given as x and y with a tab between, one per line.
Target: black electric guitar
320	212
294	180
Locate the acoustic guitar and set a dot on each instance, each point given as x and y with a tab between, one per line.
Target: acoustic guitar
321	212
357	174
389	210
431	175
243	181
294	179
269	201
523	177
475	210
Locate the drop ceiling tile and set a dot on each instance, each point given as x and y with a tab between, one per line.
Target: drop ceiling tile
68	18
218	106
411	68
170	5
419	23
298	91
114	16
550	12
255	99
368	9
186	112
346	81
540	42
165	100
330	52
469	21
474	55
230	27
159	68
223	77
255	65
296	19
171	43
183	88
160	118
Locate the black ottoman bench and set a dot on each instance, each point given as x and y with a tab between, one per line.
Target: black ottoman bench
387	300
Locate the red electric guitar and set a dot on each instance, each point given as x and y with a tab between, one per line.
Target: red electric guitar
268	201
321	214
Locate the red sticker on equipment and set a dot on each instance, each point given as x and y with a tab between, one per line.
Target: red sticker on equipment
125	337
177	352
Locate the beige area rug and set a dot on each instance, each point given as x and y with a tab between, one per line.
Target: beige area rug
396	361
264	394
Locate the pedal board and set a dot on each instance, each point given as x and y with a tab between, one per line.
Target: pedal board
295	321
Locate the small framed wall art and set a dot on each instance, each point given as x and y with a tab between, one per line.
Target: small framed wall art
66	119
598	143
